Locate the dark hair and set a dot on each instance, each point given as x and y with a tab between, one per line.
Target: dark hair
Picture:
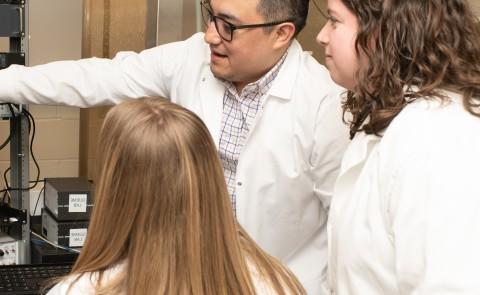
421	45
277	10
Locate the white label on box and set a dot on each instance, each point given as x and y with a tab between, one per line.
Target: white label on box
77	203
77	237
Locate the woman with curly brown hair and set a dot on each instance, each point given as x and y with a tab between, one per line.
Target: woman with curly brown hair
405	214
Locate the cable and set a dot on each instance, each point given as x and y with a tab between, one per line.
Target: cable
30	117
38	198
6	191
5	182
53	244
5	176
7	141
10	106
31	129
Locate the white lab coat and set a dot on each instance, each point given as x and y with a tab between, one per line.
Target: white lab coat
85	285
405	217
290	160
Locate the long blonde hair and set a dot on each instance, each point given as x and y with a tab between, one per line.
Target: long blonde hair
162	206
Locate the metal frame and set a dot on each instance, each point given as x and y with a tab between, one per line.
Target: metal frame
19	148
163	14
19	176
151	23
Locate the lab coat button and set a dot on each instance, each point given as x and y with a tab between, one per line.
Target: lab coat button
203	79
239	183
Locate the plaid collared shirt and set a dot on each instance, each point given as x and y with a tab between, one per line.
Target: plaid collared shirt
239	113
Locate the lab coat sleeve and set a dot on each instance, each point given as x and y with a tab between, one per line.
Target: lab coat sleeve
330	141
96	81
434	210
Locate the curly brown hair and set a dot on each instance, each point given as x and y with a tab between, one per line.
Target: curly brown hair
422	46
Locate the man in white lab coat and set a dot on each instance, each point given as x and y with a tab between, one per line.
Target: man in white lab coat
271	108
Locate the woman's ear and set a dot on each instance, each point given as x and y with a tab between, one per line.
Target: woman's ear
283	34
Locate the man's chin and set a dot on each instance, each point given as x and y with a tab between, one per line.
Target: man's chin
217	74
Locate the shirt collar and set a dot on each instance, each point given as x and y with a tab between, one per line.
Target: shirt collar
262	85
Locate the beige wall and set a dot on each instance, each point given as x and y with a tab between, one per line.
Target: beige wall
176	20
107	29
315	22
55	34
476	7
3	44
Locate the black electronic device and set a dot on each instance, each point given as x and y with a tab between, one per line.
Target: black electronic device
69	198
44	253
11	20
9	110
10	58
9	215
70	234
29	279
10	1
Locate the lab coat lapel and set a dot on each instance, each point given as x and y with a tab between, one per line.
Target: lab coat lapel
284	83
211	96
282	87
356	155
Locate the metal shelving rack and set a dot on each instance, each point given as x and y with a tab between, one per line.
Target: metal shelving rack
19	178
19	130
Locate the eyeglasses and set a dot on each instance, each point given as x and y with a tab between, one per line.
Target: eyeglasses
224	28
